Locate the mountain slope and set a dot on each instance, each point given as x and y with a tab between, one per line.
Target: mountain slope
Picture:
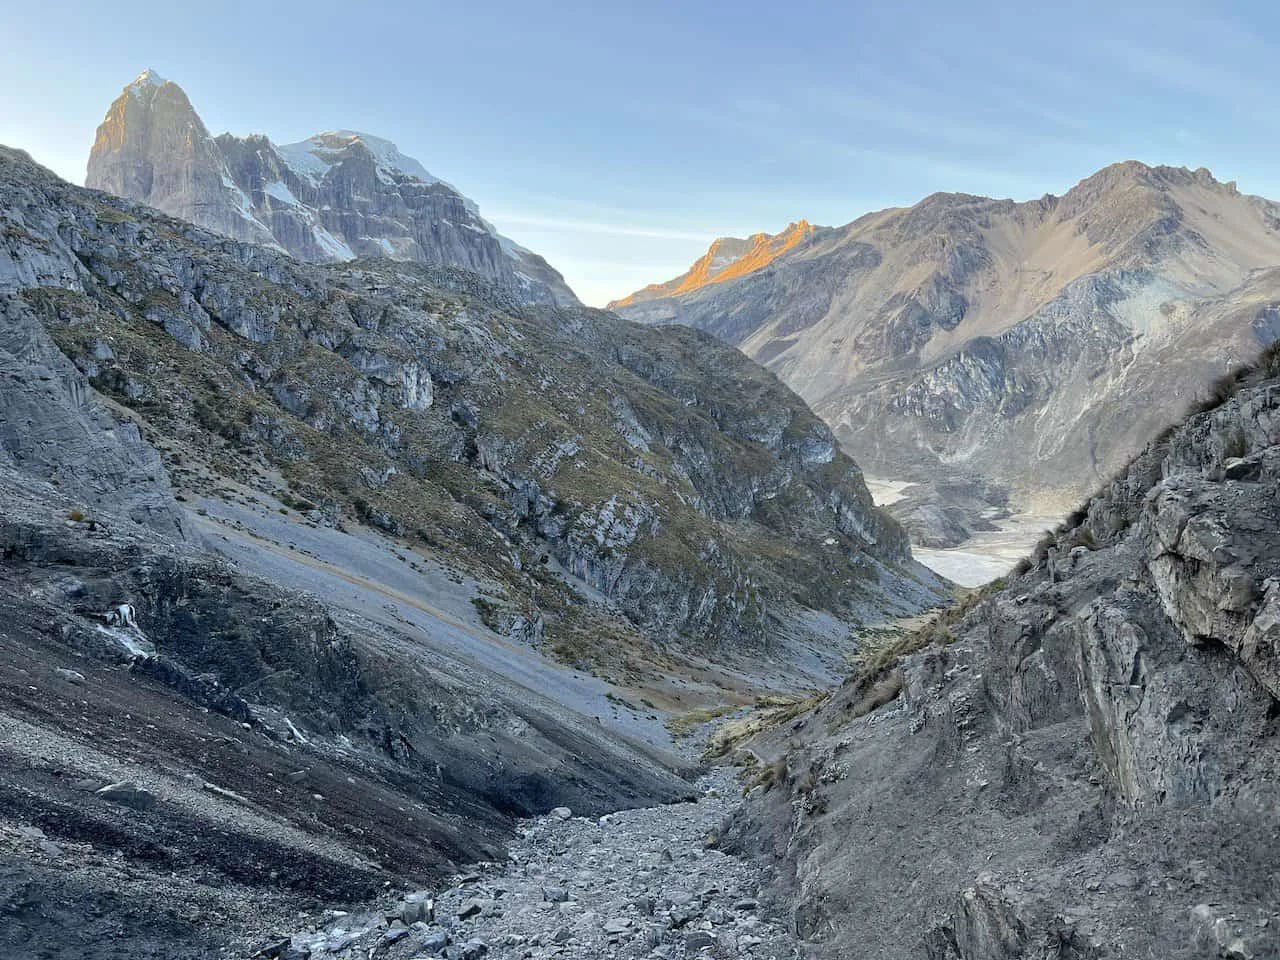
333	197
594	468
200	744
295	556
1034	344
1084	762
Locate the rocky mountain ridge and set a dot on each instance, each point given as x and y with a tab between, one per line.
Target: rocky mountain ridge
332	197
1082	761
1030	347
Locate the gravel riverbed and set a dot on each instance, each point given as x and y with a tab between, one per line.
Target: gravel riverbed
642	883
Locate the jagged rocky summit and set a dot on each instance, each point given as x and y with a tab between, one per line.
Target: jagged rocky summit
990	350
332	197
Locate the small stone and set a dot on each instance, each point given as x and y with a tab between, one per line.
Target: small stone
746	905
71	676
434	941
562	935
1236	468
469	909
275	948
562	813
555	894
697	940
618	925
127	794
50	849
682	915
395	935
417	907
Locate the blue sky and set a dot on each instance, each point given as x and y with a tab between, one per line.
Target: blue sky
618	140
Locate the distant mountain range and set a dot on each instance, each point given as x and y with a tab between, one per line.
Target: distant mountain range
334	196
997	349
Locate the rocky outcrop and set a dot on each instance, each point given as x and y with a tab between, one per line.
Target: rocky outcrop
336	196
593	467
1088	764
53	427
1032	346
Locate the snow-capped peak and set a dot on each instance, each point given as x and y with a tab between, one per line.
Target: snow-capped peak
314	156
147	78
387	154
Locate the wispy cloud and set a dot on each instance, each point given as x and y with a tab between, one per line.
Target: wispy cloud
815	139
1188	74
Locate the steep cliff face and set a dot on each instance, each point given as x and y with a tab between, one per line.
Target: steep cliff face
1036	345
1087	766
335	196
625	486
153	147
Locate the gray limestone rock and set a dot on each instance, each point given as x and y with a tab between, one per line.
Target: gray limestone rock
54	428
127	794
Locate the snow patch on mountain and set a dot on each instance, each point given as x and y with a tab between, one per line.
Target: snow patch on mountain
280	191
148	79
242	205
332	245
312	158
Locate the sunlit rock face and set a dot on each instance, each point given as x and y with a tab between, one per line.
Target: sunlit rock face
336	196
726	259
153	147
